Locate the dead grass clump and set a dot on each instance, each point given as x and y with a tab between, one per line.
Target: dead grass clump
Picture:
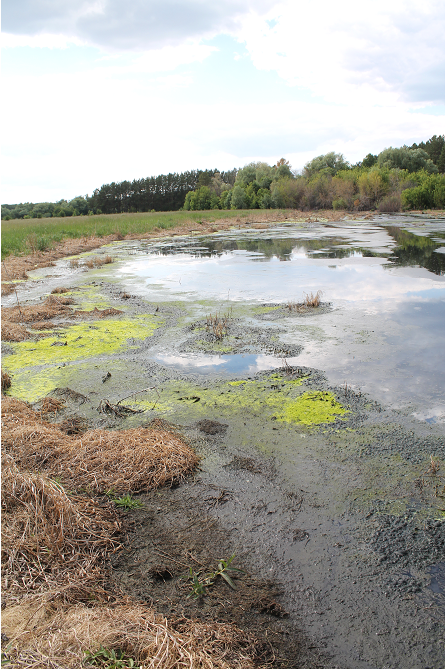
50	539
51	308
218	324
50	405
147	459
99	313
14	332
98	261
7	288
43	325
73	425
312	300
137	632
31	441
74	263
6	381
59	291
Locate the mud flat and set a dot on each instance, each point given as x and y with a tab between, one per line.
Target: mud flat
321	440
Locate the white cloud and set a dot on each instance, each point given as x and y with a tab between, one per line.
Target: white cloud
377	54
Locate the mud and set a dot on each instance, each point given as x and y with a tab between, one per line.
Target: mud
332	501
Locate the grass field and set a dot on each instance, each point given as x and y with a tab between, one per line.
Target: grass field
38	234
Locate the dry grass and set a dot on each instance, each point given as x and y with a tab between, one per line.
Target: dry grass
52	307
50	406
7	288
51	541
14	331
310	302
43	325
98	261
59	291
74	263
6	381
98	313
38	316
73	425
218	324
148	457
152	641
55	545
313	301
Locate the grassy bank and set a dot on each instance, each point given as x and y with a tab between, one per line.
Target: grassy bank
39	234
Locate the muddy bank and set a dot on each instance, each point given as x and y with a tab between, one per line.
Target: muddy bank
331	502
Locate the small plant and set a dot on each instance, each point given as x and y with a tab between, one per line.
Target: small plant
109	659
125	502
218	324
74	263
202	581
313	300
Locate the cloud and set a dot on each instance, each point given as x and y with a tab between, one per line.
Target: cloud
390	52
116	24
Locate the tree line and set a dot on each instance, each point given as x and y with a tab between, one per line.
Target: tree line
409	177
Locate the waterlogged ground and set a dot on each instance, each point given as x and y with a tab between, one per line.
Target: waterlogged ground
321	430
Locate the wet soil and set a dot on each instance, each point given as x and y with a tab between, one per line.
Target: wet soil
338	526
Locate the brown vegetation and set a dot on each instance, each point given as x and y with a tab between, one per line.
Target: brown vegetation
55	544
52	542
58	291
7	288
148	457
6	381
311	301
136	631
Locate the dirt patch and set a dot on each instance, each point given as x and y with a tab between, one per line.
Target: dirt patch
171	541
211	427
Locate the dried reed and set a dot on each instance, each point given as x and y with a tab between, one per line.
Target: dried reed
152	641
148	457
312	300
98	261
58	291
51	540
7	288
6	381
50	405
14	331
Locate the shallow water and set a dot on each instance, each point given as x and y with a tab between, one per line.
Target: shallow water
385	283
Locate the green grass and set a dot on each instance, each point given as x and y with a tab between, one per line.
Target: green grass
38	234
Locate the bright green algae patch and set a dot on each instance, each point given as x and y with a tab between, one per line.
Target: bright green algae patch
85	340
312	408
274	397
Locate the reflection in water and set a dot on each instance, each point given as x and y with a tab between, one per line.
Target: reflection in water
227	364
386	287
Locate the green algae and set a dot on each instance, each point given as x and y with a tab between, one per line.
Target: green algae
273	397
312	408
78	342
266	310
30	385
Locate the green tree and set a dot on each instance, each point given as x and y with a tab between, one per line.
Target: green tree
408	159
369	160
330	163
238	200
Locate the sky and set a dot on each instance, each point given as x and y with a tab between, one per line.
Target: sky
96	91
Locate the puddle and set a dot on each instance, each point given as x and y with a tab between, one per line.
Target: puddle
225	364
